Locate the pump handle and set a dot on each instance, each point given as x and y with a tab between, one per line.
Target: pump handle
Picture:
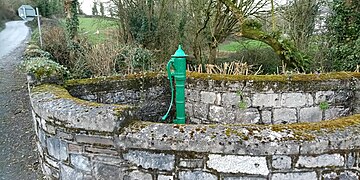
169	64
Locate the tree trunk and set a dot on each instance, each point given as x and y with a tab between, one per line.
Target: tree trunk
279	49
212	53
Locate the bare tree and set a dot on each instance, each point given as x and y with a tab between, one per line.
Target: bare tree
300	15
289	54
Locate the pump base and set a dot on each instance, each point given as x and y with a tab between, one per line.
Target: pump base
179	121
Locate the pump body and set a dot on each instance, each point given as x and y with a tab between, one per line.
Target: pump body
178	63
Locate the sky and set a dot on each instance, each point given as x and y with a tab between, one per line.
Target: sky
86	5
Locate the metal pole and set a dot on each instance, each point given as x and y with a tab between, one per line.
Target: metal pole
39	26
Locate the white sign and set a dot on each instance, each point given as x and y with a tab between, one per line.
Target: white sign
26	12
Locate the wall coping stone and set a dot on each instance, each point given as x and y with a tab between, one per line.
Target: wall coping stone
302	138
55	103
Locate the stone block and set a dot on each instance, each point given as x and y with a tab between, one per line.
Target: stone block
46	170
348	175
57	148
352	160
138	175
195	120
278	148
230	99
343	96
234	86
80	162
42	124
324	96
74	148
189	110
344	175
336	112
219	114
266	116
201	110
230	164
281	162
294	175
208	97
111	160
88	139
247	116
284	116
100	151
314	147
326	160
310	114
63	135
192	95
165	177
40	149
108	172
244	178
42	138
51	162
149	160
49	128
329	176
191	163
89	97
198	175
266	100
296	99
218	99
67	173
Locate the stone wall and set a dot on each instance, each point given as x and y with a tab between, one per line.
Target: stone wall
268	102
214	100
150	93
79	139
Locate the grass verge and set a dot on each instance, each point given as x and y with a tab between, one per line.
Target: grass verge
234	46
97	30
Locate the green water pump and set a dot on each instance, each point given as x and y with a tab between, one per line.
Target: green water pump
178	63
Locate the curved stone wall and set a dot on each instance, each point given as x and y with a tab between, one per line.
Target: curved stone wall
218	99
79	139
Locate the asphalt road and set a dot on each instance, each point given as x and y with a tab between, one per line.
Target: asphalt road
12	36
18	156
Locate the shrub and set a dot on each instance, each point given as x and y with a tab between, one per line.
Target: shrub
32	52
55	42
101	59
132	59
42	67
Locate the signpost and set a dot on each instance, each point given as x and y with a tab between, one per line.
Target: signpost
28	13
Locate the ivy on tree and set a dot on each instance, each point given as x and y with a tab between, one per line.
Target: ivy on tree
344	35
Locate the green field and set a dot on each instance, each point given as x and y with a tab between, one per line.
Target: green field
234	46
96	29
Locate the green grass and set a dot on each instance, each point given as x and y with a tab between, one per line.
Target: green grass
96	29
234	46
